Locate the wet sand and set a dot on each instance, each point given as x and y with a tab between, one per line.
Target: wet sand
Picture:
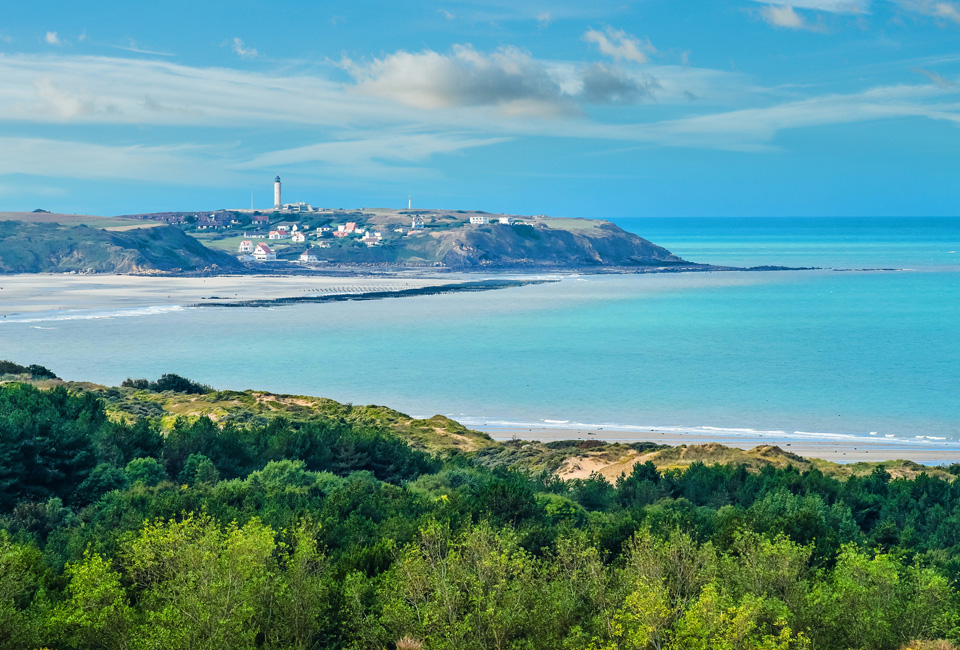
838	450
33	293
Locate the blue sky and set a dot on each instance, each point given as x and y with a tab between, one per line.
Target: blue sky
596	109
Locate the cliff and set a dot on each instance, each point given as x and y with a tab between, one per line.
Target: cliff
29	247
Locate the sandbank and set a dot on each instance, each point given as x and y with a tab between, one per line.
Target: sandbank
46	292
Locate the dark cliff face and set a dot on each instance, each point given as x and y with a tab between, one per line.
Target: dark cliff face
51	248
521	245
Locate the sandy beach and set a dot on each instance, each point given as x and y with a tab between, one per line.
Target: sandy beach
33	293
849	449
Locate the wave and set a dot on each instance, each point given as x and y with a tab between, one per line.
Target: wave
493	424
89	314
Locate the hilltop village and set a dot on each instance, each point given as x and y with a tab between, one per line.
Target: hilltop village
298	234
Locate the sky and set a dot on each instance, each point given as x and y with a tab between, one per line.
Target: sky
645	108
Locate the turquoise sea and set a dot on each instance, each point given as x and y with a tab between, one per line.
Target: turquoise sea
823	352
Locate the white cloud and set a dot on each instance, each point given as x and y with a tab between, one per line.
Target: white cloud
242	50
83	36
446	14
52	39
477	100
941	9
64	103
783	16
508	79
619	45
544	18
829	6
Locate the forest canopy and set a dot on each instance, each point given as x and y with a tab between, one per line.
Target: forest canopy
120	533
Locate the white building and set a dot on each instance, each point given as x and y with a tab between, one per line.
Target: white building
479	220
262	253
299	237
278	234
276	193
246	246
417	222
307	256
506	220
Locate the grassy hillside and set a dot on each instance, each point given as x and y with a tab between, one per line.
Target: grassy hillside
35	247
448	239
566	459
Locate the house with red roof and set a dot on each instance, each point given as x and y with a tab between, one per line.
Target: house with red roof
262	253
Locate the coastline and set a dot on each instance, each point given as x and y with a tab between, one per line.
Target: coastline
32	293
838	448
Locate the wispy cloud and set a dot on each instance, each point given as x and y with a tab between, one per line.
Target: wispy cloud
936	78
242	50
379	155
133	47
181	164
787	17
52	39
829	6
941	9
619	45
378	123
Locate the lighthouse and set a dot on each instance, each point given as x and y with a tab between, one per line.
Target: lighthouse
276	194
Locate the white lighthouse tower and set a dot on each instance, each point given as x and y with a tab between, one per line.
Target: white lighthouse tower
276	194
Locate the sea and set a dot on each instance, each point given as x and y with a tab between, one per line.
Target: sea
866	344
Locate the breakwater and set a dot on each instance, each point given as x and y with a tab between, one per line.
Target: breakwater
455	287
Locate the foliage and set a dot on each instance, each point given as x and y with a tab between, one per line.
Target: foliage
335	533
168	381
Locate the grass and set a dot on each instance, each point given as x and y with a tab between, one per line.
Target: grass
107	223
439	434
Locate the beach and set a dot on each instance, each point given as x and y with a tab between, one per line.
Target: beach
833	447
33	293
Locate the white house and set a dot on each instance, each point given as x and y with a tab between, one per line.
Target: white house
506	220
246	246
262	253
479	220
278	234
417	223
299	237
307	256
